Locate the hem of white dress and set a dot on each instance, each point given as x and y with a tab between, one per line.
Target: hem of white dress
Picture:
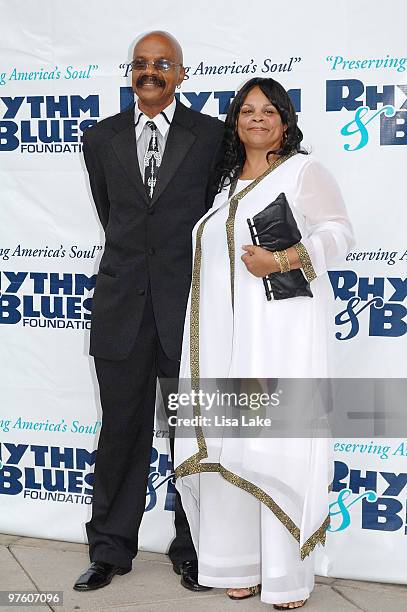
226	582
248	581
284	597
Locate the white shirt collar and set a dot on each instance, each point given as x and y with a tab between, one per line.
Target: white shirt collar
162	120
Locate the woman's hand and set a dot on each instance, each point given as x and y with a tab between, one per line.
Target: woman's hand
259	261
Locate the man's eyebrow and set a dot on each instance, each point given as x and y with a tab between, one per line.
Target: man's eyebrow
161	57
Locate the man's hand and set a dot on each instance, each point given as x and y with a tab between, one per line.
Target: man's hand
258	261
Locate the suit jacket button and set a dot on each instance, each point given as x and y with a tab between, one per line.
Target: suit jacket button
151	251
150	211
141	291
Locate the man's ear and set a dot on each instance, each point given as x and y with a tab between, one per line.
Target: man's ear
181	75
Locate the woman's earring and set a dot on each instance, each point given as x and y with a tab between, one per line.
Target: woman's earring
178	86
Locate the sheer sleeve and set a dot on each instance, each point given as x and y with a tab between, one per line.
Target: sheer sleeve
329	235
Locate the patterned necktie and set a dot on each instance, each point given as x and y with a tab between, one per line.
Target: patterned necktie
152	160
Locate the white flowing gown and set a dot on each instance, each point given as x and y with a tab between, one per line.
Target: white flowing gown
258	507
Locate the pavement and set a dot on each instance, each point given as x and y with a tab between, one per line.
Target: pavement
29	564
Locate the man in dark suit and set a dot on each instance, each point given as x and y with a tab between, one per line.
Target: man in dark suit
149	169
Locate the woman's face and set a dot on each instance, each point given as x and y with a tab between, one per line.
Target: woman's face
259	124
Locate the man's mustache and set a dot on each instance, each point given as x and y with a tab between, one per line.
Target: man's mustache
154	80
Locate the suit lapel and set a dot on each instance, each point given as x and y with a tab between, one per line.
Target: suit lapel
125	147
179	141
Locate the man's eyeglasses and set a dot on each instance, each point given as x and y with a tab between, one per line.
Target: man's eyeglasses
162	65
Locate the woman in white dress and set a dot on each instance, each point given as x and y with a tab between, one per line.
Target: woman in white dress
257	507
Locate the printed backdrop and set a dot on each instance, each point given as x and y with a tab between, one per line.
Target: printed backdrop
64	66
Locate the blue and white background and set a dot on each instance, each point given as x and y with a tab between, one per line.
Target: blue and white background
63	67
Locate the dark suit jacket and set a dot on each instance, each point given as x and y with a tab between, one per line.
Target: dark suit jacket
148	245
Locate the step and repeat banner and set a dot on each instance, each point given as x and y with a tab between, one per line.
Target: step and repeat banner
63	67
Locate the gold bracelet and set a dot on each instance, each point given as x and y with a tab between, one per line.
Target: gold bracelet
306	263
284	261
277	258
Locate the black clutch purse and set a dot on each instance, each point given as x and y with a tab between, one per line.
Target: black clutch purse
275	229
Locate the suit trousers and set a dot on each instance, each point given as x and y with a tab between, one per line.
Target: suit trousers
127	393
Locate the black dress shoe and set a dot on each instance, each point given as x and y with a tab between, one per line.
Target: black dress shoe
188	570
98	575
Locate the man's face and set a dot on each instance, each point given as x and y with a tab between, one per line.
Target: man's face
154	87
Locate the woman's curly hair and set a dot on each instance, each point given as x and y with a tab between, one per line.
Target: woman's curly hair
234	154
